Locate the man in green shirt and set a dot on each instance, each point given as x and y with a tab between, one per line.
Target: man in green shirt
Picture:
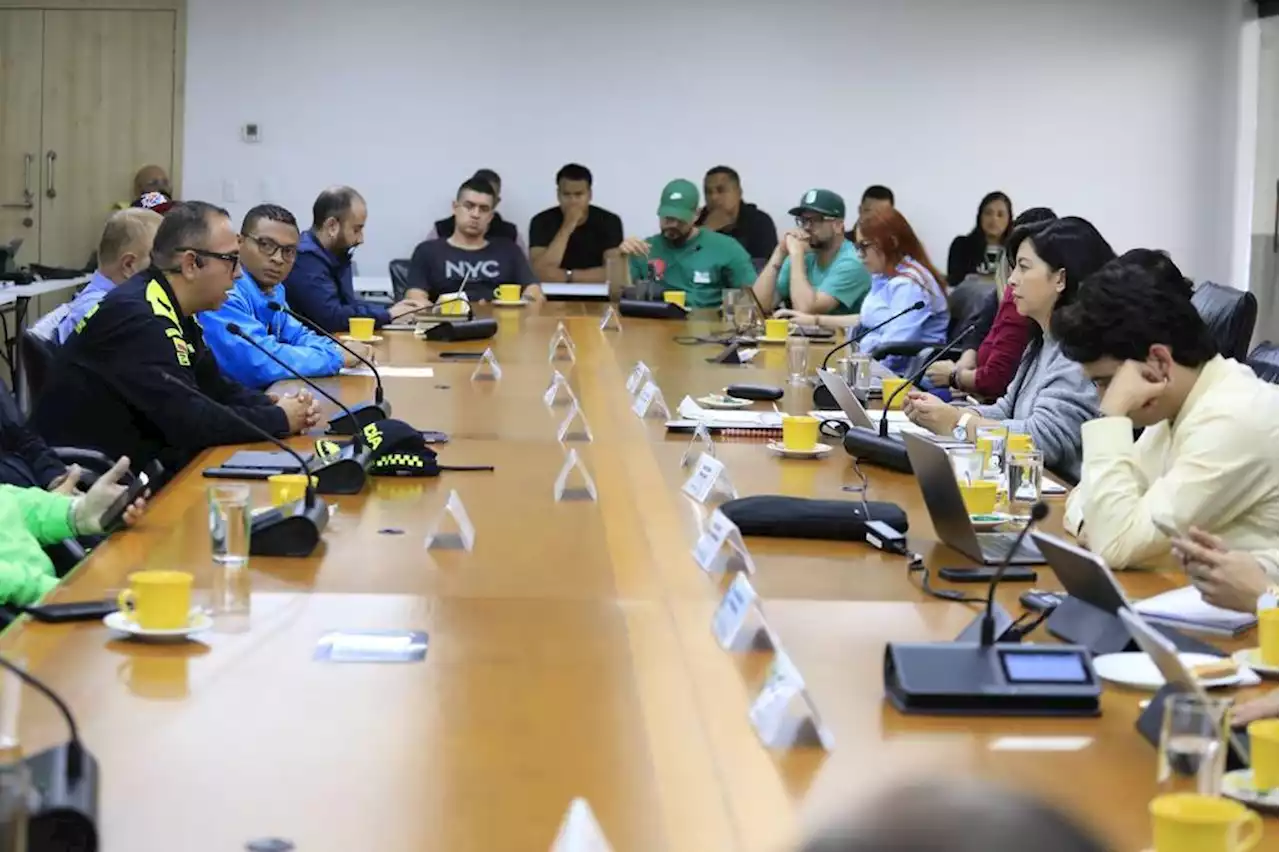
814	267
683	256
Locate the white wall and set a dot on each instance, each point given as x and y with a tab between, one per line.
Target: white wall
1122	111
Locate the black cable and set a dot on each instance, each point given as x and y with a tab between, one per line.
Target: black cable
1017	631
915	562
73	748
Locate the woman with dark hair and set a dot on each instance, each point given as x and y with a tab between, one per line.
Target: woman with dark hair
986	371
1050	397
977	252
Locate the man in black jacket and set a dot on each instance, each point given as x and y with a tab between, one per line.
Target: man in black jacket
727	213
113	384
25	460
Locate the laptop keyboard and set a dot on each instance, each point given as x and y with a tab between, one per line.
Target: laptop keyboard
996	545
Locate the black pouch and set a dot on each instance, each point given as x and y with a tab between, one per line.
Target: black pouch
799	517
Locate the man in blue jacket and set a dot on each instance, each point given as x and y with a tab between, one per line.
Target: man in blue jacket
268	247
320	287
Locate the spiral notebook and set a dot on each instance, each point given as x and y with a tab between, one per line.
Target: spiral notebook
747	424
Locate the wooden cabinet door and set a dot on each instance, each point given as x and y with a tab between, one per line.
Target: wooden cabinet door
20	84
107	110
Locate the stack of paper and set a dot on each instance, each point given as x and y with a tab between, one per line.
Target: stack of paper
691	411
1185	608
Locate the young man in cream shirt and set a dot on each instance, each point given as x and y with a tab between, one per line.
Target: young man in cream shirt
1205	468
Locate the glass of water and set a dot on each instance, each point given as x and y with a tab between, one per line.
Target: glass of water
992	440
797	359
1025	469
967	463
728	301
1193	745
229	519
744	315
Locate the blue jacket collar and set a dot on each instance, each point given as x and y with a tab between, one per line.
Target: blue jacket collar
308	244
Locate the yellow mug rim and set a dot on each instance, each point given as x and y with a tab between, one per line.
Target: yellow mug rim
160	577
1210	810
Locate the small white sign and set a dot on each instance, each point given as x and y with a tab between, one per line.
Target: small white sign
719	532
610	321
566	430
784	714
709	475
559	390
734	612
573	463
488	367
701	437
452	527
649	401
562	343
580	831
638	376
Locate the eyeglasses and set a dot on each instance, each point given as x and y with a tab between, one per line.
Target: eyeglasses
269	247
862	245
231	257
812	221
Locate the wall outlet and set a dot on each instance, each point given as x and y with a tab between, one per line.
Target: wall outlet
251	133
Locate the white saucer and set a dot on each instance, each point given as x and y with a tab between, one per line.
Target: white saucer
989	521
1252	657
346	338
1136	669
503	303
814	452
199	623
1238	784
722	401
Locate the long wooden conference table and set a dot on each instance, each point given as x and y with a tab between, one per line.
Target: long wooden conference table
570	653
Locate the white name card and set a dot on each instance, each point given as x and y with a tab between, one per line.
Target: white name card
701	438
783	714
561	342
558	389
580	831
452	527
610	321
708	551
739	620
566	430
650	401
488	367
585	485
638	376
709	475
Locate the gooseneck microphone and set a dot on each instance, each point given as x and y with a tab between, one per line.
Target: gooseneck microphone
289	530
864	331
915	377
364	413
988	637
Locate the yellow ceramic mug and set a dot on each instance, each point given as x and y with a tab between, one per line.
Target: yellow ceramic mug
889	387
1269	636
507	293
361	328
288	487
979	497
799	433
1264	752
157	600
1019	442
1189	822
453	305
674	297
776	329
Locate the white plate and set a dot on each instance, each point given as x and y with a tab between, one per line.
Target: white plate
346	338
1252	657
1136	669
503	303
200	622
1238	784
814	452
723	402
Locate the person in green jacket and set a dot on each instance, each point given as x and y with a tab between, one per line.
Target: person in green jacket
31	518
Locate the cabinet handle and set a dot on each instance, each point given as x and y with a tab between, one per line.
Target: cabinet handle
50	158
28	195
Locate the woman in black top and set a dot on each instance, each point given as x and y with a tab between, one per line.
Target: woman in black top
974	253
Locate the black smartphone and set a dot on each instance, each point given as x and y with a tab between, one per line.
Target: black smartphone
462	356
62	613
1040	600
1013	574
113	518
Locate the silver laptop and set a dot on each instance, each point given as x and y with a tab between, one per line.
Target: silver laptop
945	503
844	397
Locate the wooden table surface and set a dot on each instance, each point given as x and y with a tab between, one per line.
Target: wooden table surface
570	653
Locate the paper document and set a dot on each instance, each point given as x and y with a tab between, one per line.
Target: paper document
391	372
1186	606
690	410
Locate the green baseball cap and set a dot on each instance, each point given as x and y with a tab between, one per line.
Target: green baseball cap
821	201
679	201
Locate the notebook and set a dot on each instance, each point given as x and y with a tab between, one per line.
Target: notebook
746	423
1184	608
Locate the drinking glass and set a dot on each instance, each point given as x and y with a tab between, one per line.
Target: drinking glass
728	301
744	315
1193	745
15	806
229	520
797	359
994	438
1026	470
859	377
967	463
11	687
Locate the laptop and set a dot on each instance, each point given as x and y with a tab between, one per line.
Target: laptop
1085	577
950	518
859	416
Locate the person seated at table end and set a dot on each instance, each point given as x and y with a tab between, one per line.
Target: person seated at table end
977	252
682	256
1207	454
726	213
469	258
815	270
568	242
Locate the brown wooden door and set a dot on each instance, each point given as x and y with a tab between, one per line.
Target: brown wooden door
20	92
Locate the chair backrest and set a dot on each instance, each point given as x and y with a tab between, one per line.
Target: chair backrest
1265	361
1230	315
973	300
37	360
399	272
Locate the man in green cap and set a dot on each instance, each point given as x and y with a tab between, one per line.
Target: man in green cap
701	262
814	268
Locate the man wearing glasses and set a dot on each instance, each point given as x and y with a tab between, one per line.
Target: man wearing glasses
268	248
815	269
118	385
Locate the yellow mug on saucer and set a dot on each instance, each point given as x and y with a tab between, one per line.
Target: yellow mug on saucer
1269	636
674	297
1189	822
453	305
979	497
889	388
507	293
1264	752
157	600
288	487
1019	442
799	433
361	328
776	329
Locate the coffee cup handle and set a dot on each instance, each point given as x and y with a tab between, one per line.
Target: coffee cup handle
496	291
126	602
1254	837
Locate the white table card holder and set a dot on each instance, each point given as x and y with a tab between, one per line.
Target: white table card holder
558	391
639	375
610	321
709	477
650	402
701	437
567	432
784	714
562	346
720	548
451	529
574	481
738	623
488	367
580	831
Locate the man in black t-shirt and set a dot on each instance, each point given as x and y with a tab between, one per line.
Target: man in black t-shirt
727	213
568	242
498	227
440	266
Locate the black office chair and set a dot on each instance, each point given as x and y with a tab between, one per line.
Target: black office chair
974	301
37	360
92	463
399	271
1264	361
1230	315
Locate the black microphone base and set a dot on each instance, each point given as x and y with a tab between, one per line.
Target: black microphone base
345	473
1003	621
290	530
481	329
651	310
365	413
865	445
67	814
823	400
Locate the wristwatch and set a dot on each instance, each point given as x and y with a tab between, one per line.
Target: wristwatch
951	382
961	432
568	276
